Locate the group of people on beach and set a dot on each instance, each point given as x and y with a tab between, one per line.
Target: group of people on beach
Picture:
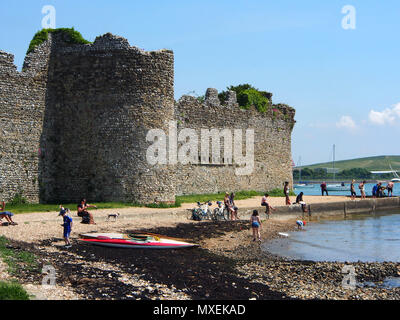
82	211
378	190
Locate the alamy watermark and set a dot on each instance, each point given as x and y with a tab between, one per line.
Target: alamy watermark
49	278
183	147
349	20
349	278
49	20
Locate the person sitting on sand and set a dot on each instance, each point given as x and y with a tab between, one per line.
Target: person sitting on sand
300	224
6	215
267	206
255	225
299	200
87	217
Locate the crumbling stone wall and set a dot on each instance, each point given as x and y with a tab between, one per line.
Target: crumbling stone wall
272	145
74	122
22	104
102	99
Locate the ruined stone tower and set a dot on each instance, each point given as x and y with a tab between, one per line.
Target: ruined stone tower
74	123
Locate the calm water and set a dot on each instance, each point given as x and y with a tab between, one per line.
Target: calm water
363	238
315	190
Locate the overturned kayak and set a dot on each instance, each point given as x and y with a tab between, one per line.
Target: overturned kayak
138	241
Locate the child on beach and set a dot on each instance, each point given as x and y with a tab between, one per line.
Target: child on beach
255	225
300	224
286	193
67	225
267	206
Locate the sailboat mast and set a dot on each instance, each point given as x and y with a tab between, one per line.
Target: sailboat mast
333	164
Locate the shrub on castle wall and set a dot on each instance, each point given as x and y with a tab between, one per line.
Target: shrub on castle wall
252	97
72	37
248	96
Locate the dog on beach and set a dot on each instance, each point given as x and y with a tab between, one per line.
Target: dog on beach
113	215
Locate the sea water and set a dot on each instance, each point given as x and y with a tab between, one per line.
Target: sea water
315	189
364	237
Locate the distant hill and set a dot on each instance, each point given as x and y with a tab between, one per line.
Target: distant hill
371	163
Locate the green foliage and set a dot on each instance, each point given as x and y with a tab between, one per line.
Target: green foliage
12	291
248	96
348	174
16	259
240	195
252	97
71	36
18	198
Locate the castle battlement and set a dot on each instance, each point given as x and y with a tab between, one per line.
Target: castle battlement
74	123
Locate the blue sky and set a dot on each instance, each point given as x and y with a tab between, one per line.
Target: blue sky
343	83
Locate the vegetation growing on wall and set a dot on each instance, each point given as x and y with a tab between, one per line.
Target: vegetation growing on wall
72	37
248	96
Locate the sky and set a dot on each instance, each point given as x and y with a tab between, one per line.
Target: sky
335	62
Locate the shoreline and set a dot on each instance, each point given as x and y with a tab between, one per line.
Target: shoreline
227	265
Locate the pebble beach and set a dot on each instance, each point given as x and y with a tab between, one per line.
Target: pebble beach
226	265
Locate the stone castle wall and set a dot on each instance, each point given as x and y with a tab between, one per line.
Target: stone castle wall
74	124
22	104
102	99
272	146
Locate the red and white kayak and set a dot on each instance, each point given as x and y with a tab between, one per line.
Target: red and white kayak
138	241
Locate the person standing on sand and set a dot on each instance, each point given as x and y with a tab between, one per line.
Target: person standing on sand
286	193
361	186
67	224
228	205
323	188
389	188
352	190
256	225
234	215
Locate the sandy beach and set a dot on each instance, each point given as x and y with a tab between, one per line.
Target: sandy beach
226	265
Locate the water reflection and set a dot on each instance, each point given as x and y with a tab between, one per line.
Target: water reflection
365	238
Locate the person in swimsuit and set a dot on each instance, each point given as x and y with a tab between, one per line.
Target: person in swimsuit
267	206
300	224
286	193
228	204
361	186
234	215
389	188
256	225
